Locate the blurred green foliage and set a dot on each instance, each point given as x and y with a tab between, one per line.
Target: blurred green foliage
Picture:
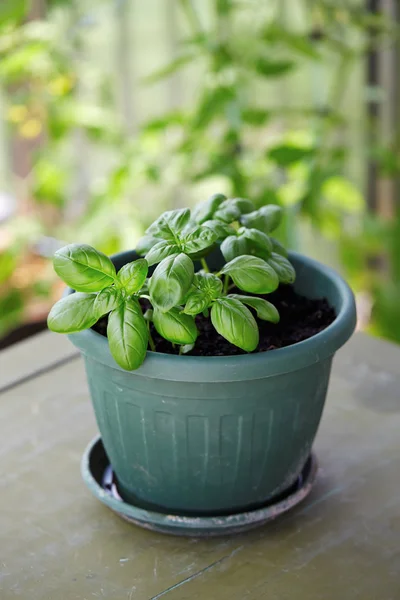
247	128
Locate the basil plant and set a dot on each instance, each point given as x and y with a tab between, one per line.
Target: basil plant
255	263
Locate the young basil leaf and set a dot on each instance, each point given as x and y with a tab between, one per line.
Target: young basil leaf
161	250
252	274
197	240
170	224
227	212
170	281
220	229
266	218
146	243
127	335
107	300
259	242
282	267
234	246
245	206
72	313
196	302
133	275
235	323
265	310
175	326
278	248
208	283
83	268
205	210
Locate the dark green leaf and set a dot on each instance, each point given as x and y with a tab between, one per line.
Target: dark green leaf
273	68
288	154
133	275
244	206
278	247
73	313
252	274
266	219
221	229
83	268
265	310
255	116
171	281
175	326
127	335
259	243
161	250
205	210
106	301
211	105
234	246
235	323
227	212
282	267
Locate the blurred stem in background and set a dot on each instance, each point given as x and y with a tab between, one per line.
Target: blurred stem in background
261	100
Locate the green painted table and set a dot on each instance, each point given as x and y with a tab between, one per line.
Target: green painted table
58	543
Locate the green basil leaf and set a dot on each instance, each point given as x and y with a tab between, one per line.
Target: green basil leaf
282	267
259	243
245	206
205	210
234	246
107	300
227	212
265	310
235	323
278	248
208	283
83	268
198	240
127	335
170	224
171	281
175	326
72	313
161	250
266	219
252	274
146	243
133	275
196	302
220	229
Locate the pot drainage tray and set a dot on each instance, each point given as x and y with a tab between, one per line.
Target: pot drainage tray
99	478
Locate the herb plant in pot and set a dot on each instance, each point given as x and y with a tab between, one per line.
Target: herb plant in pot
208	352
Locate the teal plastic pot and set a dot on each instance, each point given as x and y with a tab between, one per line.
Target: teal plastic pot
214	435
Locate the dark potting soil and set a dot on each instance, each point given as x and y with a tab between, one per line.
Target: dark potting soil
300	319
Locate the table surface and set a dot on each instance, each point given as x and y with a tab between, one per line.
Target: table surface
57	542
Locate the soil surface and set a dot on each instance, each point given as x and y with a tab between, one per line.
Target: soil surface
301	318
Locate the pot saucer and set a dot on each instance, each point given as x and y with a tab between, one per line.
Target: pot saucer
98	475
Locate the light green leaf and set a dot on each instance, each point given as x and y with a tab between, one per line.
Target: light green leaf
282	267
161	250
170	68
244	206
259	243
273	68
127	335
73	313
175	326
205	210
227	212
222	230
170	224
198	240
206	287
235	323
133	275
171	281
83	268
196	302
252	274
265	310
107	300
342	194
146	243
234	246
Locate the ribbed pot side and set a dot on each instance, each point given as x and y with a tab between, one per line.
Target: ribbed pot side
208	435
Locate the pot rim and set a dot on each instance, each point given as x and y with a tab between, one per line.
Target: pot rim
159	365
